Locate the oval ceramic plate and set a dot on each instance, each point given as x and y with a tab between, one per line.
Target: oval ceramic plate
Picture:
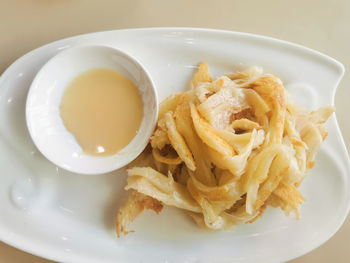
70	218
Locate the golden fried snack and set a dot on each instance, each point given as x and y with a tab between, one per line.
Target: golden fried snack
225	150
135	204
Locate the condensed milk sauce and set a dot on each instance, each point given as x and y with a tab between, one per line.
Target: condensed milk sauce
103	110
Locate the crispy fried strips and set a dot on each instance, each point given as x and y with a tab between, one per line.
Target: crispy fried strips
226	149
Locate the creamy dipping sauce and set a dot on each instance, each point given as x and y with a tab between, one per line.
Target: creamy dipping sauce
103	110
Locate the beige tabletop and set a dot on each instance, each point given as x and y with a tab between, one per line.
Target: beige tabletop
319	24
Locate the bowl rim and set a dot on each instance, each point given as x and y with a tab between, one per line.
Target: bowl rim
146	136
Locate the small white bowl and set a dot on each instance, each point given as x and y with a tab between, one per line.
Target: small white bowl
44	122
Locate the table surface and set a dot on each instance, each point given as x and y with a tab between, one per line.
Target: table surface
318	24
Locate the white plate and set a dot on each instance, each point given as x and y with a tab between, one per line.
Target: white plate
70	218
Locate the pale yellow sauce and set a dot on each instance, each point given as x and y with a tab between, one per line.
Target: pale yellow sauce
103	110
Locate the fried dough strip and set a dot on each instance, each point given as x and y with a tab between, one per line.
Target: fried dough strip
134	205
225	150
